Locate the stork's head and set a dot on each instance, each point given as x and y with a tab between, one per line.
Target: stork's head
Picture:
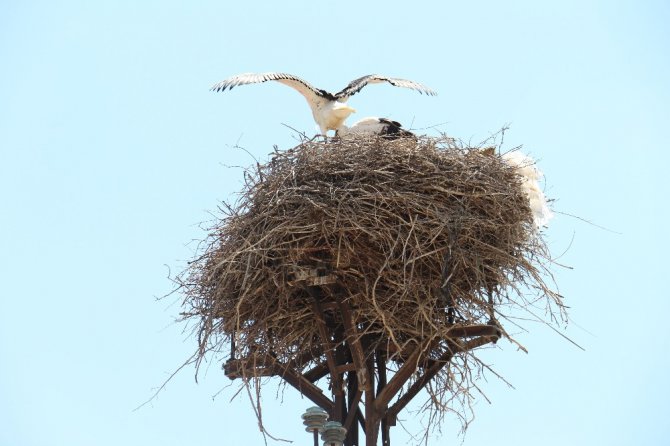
342	111
339	113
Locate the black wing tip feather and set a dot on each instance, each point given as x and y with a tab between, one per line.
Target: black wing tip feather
390	122
221	86
357	85
230	83
394	130
420	88
234	81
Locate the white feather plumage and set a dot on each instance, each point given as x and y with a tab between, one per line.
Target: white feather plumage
374	126
531	176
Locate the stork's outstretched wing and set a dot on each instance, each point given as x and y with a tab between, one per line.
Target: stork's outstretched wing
356	85
303	87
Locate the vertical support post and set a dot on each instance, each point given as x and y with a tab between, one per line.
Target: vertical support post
371	414
338	384
336	380
380	358
352	404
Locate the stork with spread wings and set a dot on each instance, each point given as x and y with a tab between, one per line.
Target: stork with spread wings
329	110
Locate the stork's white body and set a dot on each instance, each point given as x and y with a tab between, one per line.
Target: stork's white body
366	126
373	126
330	115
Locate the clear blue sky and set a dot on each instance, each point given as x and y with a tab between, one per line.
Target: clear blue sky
112	150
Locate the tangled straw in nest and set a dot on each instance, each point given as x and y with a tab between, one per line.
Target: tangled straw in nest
395	223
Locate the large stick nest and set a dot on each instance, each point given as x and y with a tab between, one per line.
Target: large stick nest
406	229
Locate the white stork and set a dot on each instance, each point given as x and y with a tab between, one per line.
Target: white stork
329	110
374	126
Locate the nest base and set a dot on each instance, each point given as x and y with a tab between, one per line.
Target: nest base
356	365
